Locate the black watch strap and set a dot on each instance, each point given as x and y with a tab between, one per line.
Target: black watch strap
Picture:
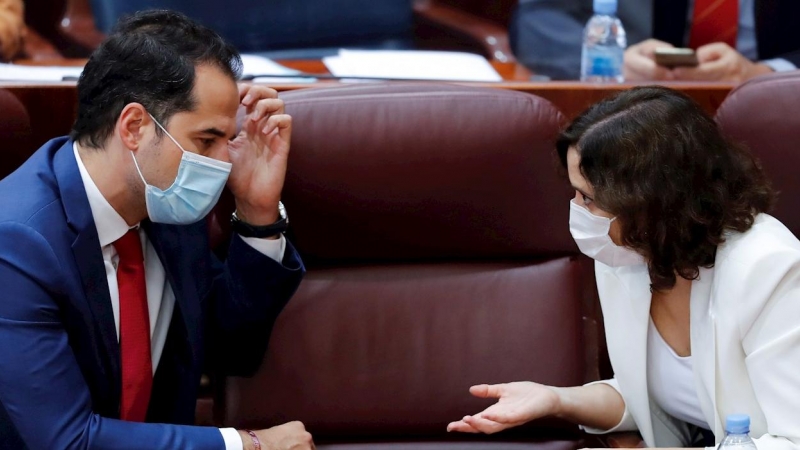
264	231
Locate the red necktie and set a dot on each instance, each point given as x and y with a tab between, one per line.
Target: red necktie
134	329
714	21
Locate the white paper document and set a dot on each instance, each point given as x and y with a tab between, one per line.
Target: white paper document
411	65
13	72
252	65
259	65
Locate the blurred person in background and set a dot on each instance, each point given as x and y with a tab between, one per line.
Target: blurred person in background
735	40
12	28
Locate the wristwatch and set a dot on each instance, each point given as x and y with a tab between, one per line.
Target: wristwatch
264	231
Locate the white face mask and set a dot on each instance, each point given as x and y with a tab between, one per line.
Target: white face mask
591	234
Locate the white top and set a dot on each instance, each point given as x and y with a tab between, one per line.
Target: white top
160	297
670	380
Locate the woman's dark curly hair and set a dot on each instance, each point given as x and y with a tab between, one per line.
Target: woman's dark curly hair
660	164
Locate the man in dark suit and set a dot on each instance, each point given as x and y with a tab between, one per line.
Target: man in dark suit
112	298
547	37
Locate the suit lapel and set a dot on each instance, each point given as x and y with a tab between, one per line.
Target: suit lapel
88	256
166	240
669	21
703	341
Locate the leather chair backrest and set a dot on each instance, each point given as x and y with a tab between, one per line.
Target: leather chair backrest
257	26
435	229
15	133
763	114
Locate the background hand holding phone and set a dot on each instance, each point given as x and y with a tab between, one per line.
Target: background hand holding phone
654	60
671	57
640	64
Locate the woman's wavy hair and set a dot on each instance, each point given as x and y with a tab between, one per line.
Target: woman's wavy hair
661	165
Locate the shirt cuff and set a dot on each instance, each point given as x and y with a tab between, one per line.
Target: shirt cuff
232	439
271	248
626	423
779	65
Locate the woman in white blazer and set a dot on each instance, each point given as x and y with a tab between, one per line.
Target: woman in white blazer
700	288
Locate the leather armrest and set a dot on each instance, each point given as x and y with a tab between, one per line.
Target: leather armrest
492	38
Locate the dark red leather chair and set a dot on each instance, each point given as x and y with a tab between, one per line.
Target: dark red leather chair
434	226
15	133
763	114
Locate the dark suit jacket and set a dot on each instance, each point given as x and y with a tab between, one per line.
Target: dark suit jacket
547	34
59	358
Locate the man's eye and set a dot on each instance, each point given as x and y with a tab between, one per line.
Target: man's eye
207	142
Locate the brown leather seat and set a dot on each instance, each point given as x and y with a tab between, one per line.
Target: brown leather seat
763	114
15	133
435	229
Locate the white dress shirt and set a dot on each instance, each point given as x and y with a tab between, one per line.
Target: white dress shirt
160	297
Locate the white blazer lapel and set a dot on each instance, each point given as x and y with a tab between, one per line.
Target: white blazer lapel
703	341
629	300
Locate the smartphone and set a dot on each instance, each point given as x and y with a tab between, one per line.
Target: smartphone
676	57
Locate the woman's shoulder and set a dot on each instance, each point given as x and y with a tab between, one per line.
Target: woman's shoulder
767	237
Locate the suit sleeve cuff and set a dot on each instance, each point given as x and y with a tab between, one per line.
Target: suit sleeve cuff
779	65
271	248
626	423
232	439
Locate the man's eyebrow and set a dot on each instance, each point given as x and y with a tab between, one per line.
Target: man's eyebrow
214	131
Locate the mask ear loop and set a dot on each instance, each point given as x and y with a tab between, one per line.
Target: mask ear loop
136	164
167	133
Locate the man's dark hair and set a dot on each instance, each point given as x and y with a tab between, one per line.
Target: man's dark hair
149	58
660	164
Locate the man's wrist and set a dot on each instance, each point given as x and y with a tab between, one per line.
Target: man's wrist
248	443
257	216
760	69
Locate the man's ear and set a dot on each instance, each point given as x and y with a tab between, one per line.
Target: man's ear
131	125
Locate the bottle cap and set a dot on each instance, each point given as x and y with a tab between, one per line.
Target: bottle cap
737	423
606	7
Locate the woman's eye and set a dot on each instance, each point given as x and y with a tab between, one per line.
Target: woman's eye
586	200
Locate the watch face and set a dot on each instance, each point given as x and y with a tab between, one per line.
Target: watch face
282	212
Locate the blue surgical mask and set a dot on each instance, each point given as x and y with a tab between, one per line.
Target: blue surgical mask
196	189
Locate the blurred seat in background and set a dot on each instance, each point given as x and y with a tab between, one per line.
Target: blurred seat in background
762	114
15	133
287	29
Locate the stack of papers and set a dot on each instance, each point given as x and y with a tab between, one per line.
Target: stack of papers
411	65
253	65
13	72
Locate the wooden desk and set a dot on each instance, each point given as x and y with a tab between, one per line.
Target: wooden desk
52	106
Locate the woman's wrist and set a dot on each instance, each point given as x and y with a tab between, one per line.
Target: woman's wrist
562	403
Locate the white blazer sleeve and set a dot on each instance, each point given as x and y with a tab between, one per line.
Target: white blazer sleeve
769	323
625	424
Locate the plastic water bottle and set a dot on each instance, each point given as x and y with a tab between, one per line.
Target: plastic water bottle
737	437
604	43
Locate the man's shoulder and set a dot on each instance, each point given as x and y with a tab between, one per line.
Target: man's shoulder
32	189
